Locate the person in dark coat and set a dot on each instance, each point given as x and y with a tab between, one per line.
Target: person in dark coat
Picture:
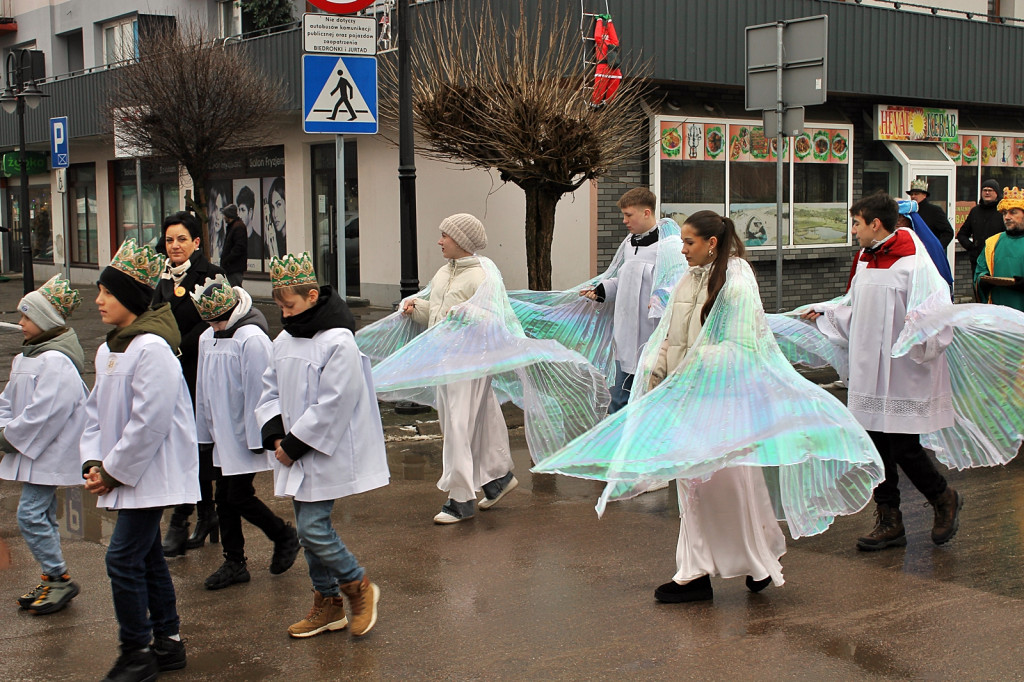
933	216
982	222
187	267
234	250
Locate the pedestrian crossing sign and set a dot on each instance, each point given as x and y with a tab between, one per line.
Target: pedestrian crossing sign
339	94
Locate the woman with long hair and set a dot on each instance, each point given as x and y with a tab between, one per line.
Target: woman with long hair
717	408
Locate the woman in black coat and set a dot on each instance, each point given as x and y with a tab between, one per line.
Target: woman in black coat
187	267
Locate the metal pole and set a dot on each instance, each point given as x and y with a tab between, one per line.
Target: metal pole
410	282
26	231
138	200
779	109
339	224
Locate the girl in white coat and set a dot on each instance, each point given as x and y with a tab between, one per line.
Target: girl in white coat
40	426
319	415
233	355
727	527
138	453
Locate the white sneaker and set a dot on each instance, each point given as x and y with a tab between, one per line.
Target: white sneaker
497	489
453	512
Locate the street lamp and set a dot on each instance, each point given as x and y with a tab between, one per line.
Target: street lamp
22	90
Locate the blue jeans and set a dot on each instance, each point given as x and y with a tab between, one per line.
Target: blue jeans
37	519
330	562
620	391
144	600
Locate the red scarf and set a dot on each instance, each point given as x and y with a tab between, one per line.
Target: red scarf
900	245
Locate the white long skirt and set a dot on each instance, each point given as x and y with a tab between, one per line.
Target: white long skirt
728	528
476	449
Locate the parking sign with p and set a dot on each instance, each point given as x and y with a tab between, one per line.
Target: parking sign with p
59	142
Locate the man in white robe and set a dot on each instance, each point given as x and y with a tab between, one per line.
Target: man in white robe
895	399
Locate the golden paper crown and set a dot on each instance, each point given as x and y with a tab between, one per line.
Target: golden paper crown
1012	198
918	185
141	263
58	292
214	297
292	270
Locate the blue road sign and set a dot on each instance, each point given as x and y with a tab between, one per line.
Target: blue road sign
339	94
59	142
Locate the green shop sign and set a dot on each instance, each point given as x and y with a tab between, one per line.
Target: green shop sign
12	163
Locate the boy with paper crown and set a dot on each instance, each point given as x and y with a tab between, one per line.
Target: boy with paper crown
138	453
40	426
318	414
233	354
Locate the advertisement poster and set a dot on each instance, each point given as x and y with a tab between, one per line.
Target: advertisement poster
685	141
218	195
748	143
820	224
822	145
274	229
755	223
247	195
680	212
962	209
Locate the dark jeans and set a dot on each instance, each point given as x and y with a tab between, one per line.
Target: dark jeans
144	600
904	449
236	500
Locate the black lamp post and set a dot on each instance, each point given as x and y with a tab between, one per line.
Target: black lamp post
410	282
22	90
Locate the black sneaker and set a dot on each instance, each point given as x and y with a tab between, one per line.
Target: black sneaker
135	665
756	586
285	551
695	590
453	512
170	653
229	573
497	489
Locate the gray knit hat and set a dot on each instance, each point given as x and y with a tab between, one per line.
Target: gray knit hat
466	231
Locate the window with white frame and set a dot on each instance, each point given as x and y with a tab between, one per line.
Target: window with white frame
230	21
121	40
730	167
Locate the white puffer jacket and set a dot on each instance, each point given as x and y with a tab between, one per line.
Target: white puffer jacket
684	327
453	284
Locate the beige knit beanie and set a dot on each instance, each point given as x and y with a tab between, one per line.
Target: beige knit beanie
466	231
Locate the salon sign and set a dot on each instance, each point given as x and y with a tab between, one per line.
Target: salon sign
916	124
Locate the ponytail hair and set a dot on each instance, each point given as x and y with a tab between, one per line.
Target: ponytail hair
708	224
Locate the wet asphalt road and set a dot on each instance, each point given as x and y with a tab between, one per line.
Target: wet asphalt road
539	588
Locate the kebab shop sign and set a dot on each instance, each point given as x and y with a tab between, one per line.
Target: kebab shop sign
916	124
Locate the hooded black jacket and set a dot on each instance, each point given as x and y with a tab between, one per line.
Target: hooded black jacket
982	222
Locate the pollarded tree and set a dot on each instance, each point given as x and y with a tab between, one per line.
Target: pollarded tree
190	99
505	87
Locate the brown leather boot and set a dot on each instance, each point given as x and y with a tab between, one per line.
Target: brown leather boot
328	613
888	530
947	515
362	601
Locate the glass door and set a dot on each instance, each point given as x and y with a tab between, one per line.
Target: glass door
929	162
335	227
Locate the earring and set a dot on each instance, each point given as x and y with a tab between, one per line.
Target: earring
711	253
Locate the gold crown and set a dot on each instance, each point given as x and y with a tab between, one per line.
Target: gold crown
141	263
1012	198
292	270
58	292
214	297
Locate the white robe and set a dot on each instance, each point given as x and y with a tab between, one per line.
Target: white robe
322	389
229	383
41	413
630	291
139	422
887	394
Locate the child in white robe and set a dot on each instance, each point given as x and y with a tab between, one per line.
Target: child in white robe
40	425
630	290
319	415
233	355
476	453
138	452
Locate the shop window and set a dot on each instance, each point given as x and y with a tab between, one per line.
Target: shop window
730	168
82	214
40	224
159	198
980	157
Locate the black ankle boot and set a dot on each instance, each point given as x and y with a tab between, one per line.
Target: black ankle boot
177	535
207	523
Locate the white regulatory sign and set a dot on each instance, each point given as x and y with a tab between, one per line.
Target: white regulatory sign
339	34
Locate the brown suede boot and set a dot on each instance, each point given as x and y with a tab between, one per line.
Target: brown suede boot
888	530
328	613
362	600
947	515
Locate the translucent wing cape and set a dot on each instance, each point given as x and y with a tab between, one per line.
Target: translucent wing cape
984	350
560	392
734	401
586	326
